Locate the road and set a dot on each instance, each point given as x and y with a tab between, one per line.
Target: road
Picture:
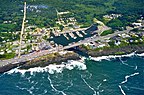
95	38
34	55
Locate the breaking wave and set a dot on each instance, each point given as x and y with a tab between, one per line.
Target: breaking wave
126	80
53	68
122	91
128	76
70	65
142	54
111	57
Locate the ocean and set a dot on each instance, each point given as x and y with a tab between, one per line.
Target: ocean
107	75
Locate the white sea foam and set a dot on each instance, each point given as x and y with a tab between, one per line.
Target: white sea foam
52	86
128	76
136	67
137	88
52	68
95	93
104	80
142	54
28	90
114	56
124	63
111	57
122	91
98	87
69	86
2	75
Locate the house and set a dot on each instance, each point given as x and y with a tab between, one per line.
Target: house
141	34
117	43
116	38
2	52
135	24
101	45
9	51
112	16
125	35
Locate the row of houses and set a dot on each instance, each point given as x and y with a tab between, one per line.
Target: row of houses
112	16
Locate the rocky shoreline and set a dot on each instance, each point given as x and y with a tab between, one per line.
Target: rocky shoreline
55	58
10	66
58	58
114	51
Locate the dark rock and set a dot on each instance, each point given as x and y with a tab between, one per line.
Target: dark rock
57	59
9	67
113	51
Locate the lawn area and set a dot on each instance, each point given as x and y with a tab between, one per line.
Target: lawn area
7	56
104	33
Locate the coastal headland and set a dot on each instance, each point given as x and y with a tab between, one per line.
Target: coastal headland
55	55
41	46
53	58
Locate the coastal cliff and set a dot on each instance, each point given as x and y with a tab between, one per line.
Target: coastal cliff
114	51
54	58
58	58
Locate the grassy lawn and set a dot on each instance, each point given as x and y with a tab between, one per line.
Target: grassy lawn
104	33
7	56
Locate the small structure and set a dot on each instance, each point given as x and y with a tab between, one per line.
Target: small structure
136	25
112	16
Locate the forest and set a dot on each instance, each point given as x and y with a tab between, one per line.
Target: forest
43	12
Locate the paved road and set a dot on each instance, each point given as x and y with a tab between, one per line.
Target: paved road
34	55
95	38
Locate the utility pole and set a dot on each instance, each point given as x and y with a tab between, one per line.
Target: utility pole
22	30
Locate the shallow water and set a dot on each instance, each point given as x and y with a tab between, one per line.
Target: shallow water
117	76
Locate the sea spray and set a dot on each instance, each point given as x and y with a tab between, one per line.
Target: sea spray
104	78
71	64
111	57
53	68
142	54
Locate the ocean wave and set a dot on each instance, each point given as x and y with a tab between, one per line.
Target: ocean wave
122	91
124	63
142	54
29	90
1	75
94	91
111	57
56	90
128	76
53	68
